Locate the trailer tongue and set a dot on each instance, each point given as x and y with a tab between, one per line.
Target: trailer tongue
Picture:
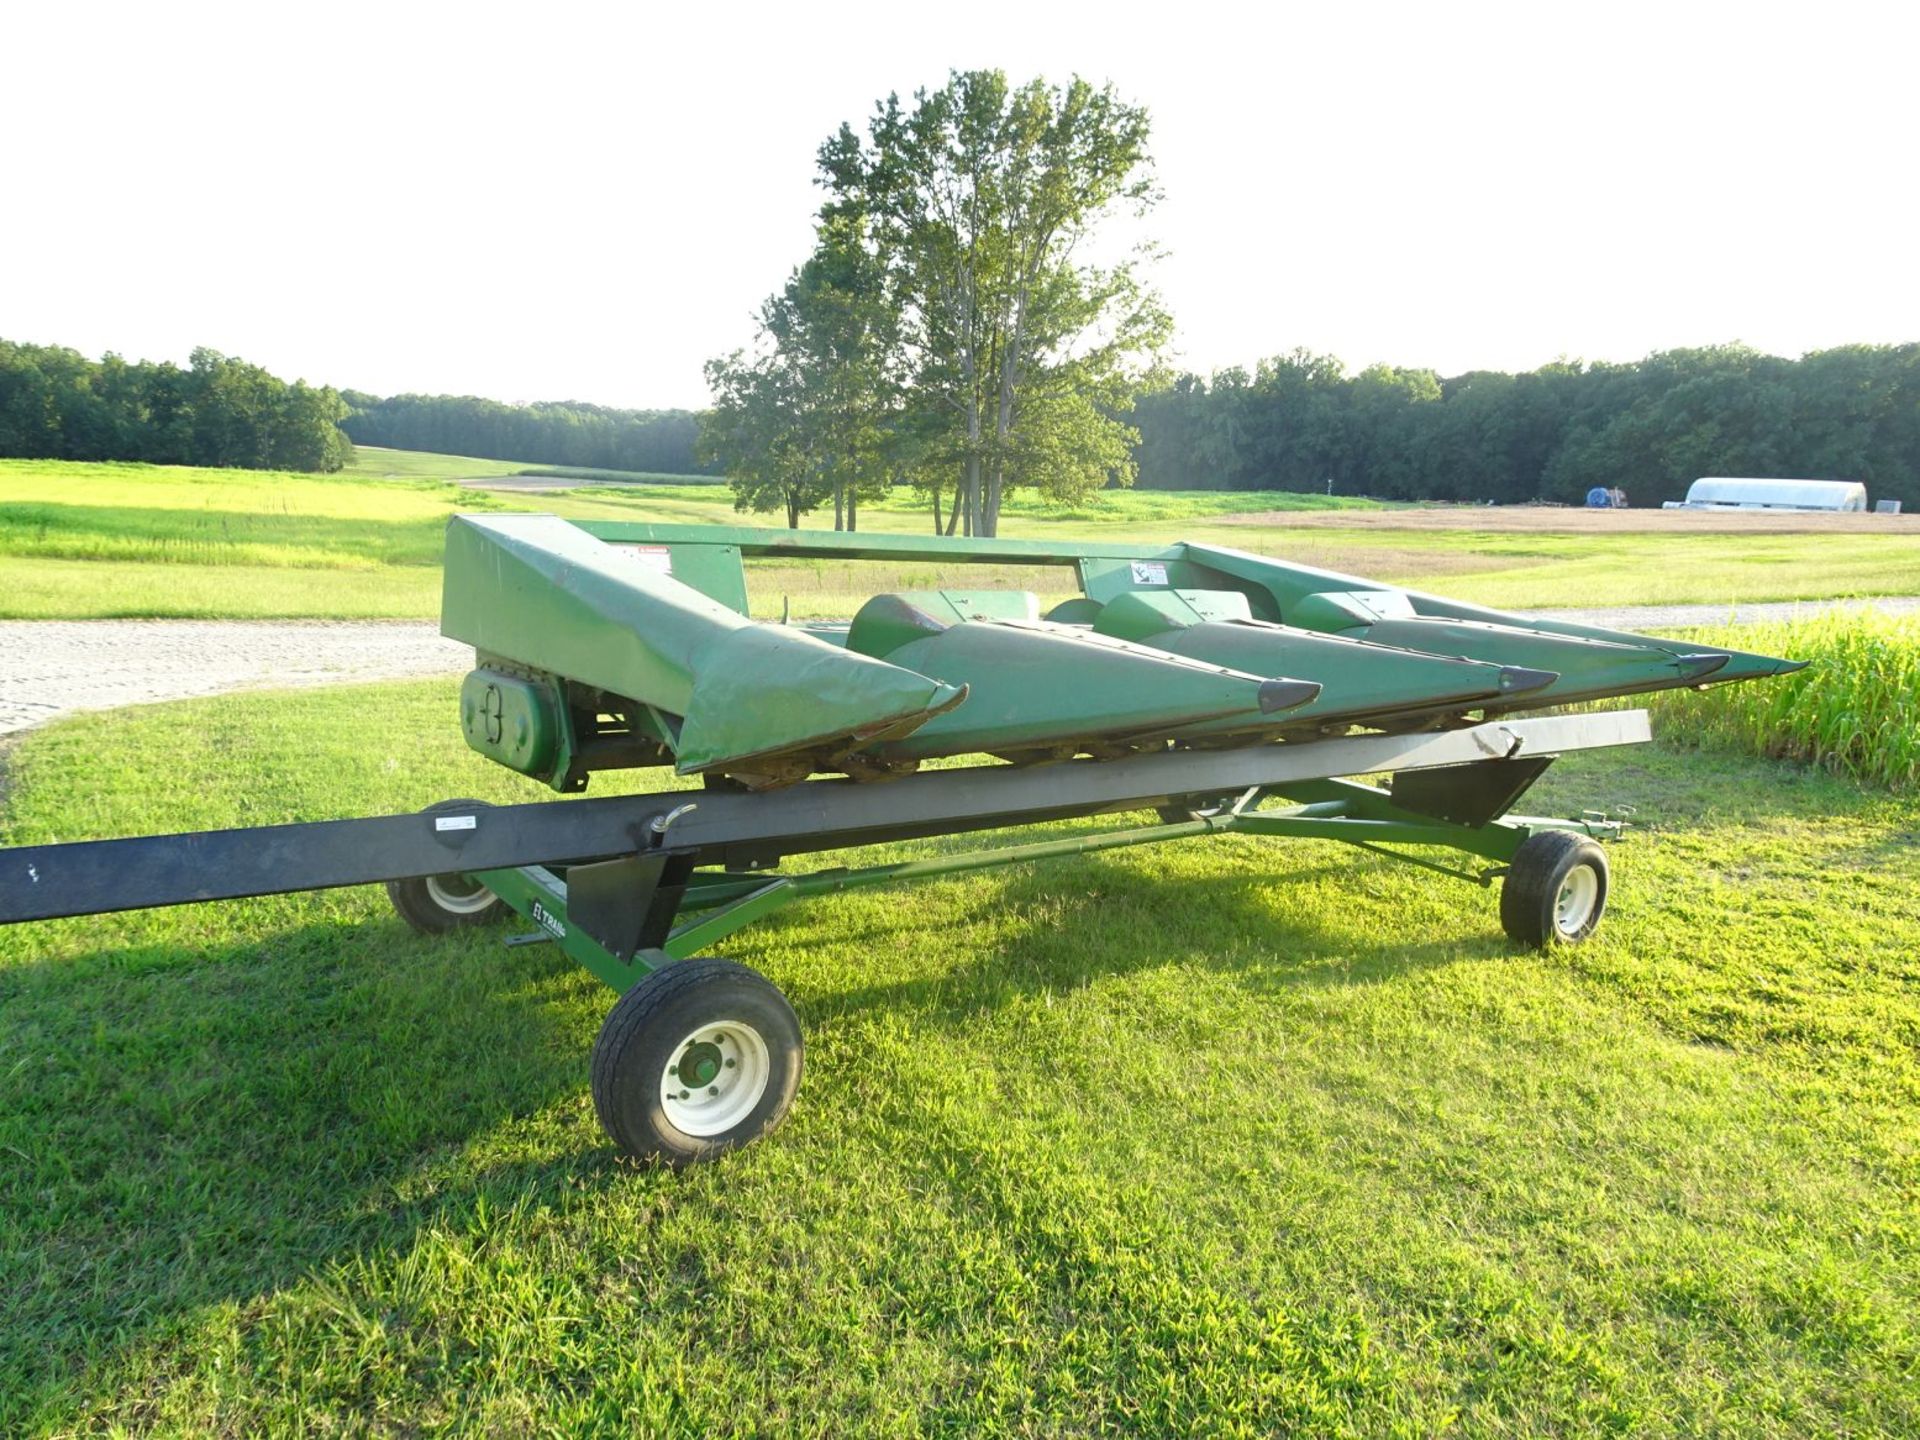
1185	682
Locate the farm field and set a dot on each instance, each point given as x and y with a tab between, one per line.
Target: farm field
1227	1137
1578	520
135	540
374	462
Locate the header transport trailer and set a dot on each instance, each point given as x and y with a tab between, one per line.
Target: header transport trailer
1212	690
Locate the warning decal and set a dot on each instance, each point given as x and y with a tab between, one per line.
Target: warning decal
654	557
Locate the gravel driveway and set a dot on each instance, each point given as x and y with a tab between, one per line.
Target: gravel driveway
50	668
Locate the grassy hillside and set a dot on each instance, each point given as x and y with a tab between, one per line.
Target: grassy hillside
373	462
617	477
1223	1138
136	540
126	539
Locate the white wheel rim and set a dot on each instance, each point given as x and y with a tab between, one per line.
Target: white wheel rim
1579	893
450	894
714	1078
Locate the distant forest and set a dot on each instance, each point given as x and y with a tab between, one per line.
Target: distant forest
548	433
1296	422
1301	421
55	404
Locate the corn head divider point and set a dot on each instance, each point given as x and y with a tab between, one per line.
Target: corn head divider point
1222	691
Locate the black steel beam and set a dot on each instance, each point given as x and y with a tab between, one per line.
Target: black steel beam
90	877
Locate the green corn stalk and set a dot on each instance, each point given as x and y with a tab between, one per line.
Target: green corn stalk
1854	711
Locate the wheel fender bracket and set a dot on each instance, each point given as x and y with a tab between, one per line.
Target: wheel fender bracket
1473	795
627	905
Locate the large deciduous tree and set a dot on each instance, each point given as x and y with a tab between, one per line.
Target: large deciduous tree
953	325
833	324
758	432
811	414
1013	352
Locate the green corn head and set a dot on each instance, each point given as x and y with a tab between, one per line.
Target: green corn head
607	645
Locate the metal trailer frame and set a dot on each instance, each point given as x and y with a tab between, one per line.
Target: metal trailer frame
1450	789
633	887
623	918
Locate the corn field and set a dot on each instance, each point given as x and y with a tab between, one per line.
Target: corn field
1855	710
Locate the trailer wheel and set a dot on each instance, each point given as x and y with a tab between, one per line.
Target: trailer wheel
436	904
699	1057
1555	891
1192	807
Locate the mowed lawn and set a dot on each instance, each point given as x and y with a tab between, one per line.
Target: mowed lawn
1228	1137
80	540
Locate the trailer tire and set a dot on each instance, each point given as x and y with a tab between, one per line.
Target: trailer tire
438	904
1192	807
1555	891
696	1026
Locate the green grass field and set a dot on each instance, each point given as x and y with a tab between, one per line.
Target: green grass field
136	540
1220	1138
374	462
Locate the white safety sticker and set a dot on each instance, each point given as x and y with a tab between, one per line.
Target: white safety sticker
1149	572
654	557
456	822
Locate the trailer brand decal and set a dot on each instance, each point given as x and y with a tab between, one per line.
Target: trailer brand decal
548	921
1149	572
455	822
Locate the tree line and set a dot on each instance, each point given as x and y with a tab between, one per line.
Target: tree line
547	433
935	339
1650	427
953	329
56	404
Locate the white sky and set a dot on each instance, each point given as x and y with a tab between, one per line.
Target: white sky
553	201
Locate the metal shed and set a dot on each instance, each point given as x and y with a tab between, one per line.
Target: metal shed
1719	492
